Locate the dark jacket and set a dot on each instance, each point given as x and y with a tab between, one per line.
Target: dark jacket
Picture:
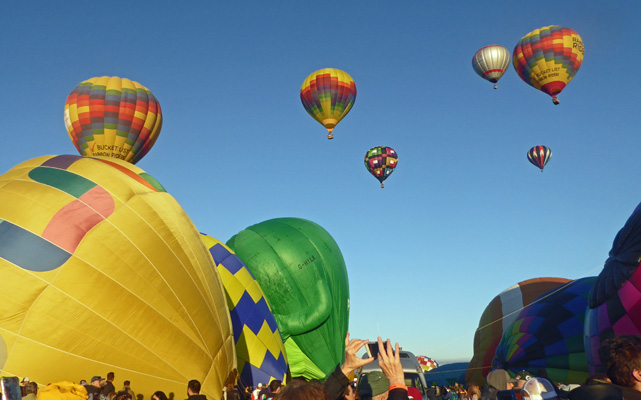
197	397
336	383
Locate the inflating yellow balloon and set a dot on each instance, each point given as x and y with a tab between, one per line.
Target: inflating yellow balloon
101	270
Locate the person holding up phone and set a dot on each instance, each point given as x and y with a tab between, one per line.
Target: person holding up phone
388	360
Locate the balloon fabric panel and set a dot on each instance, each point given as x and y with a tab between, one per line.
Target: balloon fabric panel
497	317
113	117
548	334
548	58
615	300
132	287
259	346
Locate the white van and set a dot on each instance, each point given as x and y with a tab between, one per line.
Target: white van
413	372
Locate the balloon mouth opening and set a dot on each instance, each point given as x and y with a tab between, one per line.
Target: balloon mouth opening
330	123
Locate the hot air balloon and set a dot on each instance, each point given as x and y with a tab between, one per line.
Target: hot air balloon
328	95
497	316
491	62
614	307
539	156
113	117
380	161
548	335
548	58
259	347
427	363
102	268
302	273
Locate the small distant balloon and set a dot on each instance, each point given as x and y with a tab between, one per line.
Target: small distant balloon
548	58
380	161
113	117
491	62
328	95
539	156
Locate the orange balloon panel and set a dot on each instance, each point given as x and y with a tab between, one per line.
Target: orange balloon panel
102	270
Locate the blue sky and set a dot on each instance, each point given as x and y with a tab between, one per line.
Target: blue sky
463	217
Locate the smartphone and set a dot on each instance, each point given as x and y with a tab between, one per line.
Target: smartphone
372	348
10	388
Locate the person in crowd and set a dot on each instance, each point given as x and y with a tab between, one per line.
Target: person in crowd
193	391
94	387
349	393
159	395
301	390
30	390
414	394
621	357
273	389
232	392
247	394
474	392
497	379
256	391
126	387
108	385
122	396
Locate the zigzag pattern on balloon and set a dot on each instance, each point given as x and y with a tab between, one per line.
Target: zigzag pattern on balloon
259	346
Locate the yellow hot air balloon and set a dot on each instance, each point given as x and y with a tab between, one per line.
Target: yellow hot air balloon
102	270
548	58
113	117
328	95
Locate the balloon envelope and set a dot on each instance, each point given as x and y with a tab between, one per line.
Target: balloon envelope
539	156
615	300
103	270
113	117
381	161
548	335
497	317
491	62
548	58
259	347
327	95
302	273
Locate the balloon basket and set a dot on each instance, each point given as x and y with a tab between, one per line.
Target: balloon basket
330	136
555	101
496	87
382	186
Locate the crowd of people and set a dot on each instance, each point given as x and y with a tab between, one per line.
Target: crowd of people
620	356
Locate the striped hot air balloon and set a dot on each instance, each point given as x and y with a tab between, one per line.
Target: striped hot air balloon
491	62
539	156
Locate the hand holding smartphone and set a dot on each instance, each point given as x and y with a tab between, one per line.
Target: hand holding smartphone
372	349
10	388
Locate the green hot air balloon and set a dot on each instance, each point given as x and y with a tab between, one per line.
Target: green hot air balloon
302	273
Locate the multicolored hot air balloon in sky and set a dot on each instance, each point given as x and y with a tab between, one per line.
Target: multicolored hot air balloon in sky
427	363
548	335
491	62
539	156
380	161
615	300
328	95
259	347
102	267
497	317
548	58
113	117
302	273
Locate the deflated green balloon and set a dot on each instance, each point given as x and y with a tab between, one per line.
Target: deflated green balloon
302	273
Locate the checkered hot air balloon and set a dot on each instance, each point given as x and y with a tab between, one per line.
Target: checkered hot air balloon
491	62
548	58
328	95
113	117
539	156
380	161
427	363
